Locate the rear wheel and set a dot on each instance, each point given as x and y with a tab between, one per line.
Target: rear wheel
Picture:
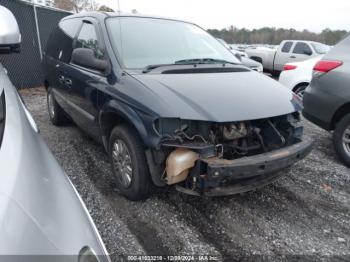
341	139
56	113
129	164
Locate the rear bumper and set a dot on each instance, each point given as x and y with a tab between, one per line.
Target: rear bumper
320	105
317	120
226	177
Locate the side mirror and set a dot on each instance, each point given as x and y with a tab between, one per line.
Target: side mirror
10	37
86	57
307	52
238	56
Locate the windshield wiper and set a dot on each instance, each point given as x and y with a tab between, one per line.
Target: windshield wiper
151	67
195	61
204	61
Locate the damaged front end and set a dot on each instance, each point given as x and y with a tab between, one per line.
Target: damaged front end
225	158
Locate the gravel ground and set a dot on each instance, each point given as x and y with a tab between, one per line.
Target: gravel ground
305	215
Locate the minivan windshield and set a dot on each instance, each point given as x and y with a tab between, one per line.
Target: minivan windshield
141	42
321	48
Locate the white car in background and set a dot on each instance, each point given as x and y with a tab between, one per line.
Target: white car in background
289	51
234	49
297	76
242	56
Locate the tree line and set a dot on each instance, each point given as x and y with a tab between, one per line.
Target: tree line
273	36
232	35
80	5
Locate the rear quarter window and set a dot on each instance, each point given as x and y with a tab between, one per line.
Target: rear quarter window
60	44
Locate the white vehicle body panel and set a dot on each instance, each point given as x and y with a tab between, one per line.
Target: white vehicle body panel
301	74
40	210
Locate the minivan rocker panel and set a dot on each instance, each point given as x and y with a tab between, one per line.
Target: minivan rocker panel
209	126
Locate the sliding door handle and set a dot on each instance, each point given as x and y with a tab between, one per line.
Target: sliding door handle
61	79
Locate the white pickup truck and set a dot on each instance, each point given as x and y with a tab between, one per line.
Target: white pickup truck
288	51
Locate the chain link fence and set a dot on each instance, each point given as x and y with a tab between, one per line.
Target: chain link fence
35	23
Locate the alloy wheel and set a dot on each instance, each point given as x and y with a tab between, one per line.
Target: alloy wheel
122	163
346	140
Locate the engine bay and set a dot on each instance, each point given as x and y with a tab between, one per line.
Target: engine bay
232	140
183	142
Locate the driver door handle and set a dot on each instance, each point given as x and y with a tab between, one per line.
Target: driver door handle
292	56
68	82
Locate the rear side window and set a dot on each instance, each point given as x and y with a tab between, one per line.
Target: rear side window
60	44
87	38
302	49
286	47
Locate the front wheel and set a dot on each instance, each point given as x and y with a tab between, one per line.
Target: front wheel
341	139
129	164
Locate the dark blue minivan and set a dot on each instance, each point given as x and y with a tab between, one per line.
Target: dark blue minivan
171	105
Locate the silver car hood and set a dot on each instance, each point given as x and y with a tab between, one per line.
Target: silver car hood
219	97
40	211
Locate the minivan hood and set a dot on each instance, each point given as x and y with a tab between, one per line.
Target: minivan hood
219	97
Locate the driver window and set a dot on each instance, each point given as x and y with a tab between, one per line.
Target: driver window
87	38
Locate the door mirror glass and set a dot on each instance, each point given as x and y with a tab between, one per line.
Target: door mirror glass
238	56
10	36
86	57
307	52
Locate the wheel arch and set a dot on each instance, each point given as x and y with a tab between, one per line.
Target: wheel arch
114	113
257	59
339	114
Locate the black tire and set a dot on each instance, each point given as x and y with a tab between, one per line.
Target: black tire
275	73
56	113
300	90
140	185
342	150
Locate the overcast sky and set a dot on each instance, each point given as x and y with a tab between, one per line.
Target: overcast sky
313	15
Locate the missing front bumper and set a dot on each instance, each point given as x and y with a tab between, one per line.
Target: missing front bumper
226	177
